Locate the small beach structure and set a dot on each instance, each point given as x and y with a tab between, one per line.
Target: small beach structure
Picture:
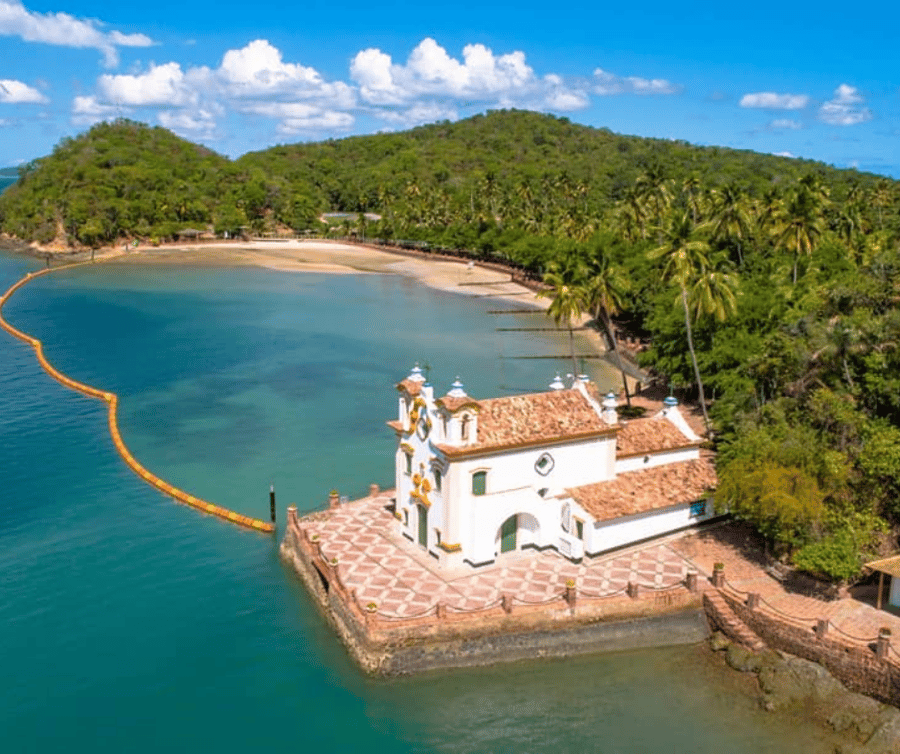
479	480
891	567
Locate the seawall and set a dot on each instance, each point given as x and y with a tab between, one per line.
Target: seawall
444	639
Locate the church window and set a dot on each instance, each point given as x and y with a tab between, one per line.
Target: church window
479	483
579	528
544	464
408	463
465	428
437	480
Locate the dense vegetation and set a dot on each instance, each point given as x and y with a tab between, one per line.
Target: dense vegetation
767	287
126	180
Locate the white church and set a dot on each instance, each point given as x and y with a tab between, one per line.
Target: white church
477	480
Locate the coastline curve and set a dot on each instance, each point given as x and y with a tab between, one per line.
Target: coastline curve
112	402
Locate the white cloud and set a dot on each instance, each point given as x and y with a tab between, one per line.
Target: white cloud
785	154
559	96
845	108
371	69
606	83
258	68
195	123
785	123
775	101
65	31
161	85
256	80
297	117
252	79
421	112
15	92
89	110
431	73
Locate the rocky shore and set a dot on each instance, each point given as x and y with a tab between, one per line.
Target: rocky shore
792	685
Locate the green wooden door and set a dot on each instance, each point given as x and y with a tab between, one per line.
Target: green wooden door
423	525
508	534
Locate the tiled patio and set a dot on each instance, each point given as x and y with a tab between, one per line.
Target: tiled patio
385	568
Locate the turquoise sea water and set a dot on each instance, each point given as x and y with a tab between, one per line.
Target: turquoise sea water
6	181
131	623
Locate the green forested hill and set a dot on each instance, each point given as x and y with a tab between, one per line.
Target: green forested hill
125	179
505	151
479	183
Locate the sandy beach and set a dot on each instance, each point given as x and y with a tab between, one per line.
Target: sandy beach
334	257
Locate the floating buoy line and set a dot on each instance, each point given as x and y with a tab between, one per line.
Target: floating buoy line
112	402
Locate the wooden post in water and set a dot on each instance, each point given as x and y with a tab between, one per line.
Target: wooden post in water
272	502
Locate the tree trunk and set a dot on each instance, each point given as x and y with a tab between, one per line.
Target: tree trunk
690	340
614	347
572	351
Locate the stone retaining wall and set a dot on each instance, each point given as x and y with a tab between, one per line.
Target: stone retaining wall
450	640
857	667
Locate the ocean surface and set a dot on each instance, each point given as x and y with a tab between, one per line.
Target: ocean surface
131	623
6	181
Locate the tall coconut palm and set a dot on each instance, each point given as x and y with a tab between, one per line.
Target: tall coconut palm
703	290
654	189
567	305
605	290
731	219
799	225
690	189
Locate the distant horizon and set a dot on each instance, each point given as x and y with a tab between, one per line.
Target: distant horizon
788	79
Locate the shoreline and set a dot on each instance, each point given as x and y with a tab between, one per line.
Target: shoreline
339	258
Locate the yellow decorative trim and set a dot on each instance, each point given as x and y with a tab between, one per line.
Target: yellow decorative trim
450	547
407	448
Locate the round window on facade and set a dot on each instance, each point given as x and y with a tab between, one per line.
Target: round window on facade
544	464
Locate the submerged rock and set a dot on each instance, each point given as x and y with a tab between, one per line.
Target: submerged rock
718	641
794	681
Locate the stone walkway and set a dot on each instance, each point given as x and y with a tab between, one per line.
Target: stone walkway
740	551
404	581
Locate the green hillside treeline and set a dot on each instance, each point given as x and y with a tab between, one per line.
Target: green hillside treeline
767	288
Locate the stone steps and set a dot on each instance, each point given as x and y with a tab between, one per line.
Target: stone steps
722	617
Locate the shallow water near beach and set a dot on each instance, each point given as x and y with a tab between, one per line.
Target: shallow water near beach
131	623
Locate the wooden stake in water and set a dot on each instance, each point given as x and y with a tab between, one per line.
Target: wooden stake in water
272	502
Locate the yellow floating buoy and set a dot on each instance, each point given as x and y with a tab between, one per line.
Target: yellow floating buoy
113	400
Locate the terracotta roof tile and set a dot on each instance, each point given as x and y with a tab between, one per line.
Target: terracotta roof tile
532	419
411	387
640	436
454	403
647	490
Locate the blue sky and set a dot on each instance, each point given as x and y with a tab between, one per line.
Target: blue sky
793	78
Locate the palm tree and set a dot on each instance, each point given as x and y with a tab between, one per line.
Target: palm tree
880	197
632	215
703	289
799	225
690	189
568	304
653	188
605	292
731	218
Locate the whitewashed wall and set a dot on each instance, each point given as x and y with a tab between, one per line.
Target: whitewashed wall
648	461
606	535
